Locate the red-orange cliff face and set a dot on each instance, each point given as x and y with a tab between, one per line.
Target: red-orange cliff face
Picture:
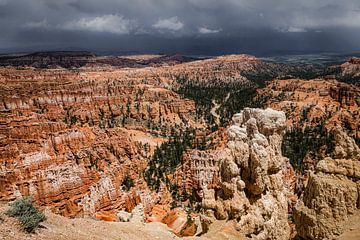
70	139
311	101
80	140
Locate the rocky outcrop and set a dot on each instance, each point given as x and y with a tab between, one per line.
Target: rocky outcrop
246	179
332	193
346	94
73	138
351	67
354	60
349	71
308	103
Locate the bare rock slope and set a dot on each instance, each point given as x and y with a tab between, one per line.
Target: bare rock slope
332	194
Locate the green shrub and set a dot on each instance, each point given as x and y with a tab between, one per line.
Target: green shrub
28	215
167	158
128	183
298	142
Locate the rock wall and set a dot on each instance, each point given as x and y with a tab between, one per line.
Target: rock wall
346	94
332	194
351	67
308	103
246	179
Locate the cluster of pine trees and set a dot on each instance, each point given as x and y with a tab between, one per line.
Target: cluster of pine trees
231	97
167	157
298	142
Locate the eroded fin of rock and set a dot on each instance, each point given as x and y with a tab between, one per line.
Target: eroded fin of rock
246	180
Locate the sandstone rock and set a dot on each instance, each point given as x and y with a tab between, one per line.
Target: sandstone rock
181	224
345	167
70	138
199	226
206	219
339	107
332	193
328	201
250	171
124	216
137	214
345	146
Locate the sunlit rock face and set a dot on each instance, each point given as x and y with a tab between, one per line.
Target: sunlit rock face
246	179
72	131
332	193
70	139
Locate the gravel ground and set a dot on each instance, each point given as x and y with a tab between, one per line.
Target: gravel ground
60	228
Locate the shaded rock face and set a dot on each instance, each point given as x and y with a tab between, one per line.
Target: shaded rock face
245	180
78	59
346	94
332	193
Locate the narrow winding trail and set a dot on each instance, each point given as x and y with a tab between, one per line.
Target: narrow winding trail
214	113
216	107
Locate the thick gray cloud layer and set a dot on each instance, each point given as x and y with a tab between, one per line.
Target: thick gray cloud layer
189	26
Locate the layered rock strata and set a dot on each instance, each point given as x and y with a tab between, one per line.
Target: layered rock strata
78	142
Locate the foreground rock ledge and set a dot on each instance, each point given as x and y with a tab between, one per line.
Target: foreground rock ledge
332	194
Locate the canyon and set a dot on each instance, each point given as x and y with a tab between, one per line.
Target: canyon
138	139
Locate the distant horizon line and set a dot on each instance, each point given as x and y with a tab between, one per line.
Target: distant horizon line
171	53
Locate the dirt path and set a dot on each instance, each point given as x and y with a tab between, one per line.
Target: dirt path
60	228
214	113
216	107
352	229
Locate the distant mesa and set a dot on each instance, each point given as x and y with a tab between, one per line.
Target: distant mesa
77	59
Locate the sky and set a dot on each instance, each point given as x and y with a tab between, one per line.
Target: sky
198	27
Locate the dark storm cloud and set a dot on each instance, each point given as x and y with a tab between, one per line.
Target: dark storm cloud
191	26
